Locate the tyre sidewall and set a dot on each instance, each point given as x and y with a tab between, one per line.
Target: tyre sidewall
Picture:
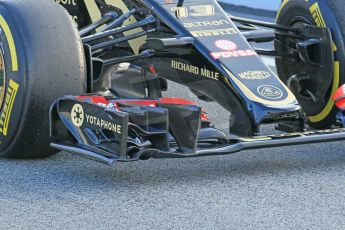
14	103
51	63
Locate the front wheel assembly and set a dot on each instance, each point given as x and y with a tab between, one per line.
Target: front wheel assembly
313	83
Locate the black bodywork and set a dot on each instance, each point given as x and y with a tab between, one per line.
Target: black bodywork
196	44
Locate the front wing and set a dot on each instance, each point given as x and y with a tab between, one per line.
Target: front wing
111	130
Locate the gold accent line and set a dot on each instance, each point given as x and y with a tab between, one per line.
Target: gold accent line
93	10
255	139
135	43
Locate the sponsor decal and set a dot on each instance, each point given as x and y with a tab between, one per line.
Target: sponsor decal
254	75
181	12
202	11
79	117
226	45
230	50
270	92
317	15
11	95
205	23
195	70
288	116
319	20
92	120
194	11
213	33
66	2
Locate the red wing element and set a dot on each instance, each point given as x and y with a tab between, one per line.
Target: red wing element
100	100
339	98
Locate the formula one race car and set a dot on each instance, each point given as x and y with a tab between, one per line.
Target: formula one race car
116	60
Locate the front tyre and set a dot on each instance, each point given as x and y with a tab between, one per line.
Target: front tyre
322	13
41	59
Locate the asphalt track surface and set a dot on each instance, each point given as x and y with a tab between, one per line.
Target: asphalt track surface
300	187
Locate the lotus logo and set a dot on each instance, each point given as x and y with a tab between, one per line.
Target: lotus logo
270	92
77	115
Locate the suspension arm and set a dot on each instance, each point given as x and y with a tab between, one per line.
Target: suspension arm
147	21
119	40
